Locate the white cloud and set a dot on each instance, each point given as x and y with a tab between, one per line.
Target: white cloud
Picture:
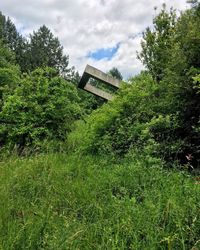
88	25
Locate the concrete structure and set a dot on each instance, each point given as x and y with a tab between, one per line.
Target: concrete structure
91	72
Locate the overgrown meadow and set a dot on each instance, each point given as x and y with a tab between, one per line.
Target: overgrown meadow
79	173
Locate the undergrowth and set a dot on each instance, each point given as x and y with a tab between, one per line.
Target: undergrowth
60	201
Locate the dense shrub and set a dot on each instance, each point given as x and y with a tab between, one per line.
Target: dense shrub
9	73
43	107
136	118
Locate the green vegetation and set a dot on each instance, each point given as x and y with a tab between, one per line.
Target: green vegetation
42	104
79	173
83	202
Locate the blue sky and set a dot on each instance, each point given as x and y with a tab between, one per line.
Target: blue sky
104	53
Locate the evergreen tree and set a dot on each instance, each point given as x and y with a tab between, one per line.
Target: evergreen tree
46	50
13	40
115	73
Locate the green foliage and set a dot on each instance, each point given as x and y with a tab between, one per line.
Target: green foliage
182	67
45	50
196	128
157	42
91	199
7	58
8	32
83	202
14	41
9	73
115	73
129	123
43	107
41	50
171	54
197	83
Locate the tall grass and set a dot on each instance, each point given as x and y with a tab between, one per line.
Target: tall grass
60	201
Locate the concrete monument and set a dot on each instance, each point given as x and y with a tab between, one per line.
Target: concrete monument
91	72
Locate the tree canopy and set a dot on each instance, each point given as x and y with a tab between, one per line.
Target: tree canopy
46	50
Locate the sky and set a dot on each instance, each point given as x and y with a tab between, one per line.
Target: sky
102	33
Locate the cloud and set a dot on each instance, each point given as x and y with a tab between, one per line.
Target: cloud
86	27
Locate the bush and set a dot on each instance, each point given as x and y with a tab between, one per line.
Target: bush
9	73
139	117
43	107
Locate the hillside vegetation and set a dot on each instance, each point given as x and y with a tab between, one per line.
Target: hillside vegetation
79	173
85	202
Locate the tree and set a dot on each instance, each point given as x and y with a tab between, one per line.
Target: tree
157	43
115	73
13	40
171	54
45	50
8	32
183	66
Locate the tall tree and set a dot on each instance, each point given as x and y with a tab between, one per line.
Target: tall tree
13	40
157	42
170	52
46	50
183	66
115	73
